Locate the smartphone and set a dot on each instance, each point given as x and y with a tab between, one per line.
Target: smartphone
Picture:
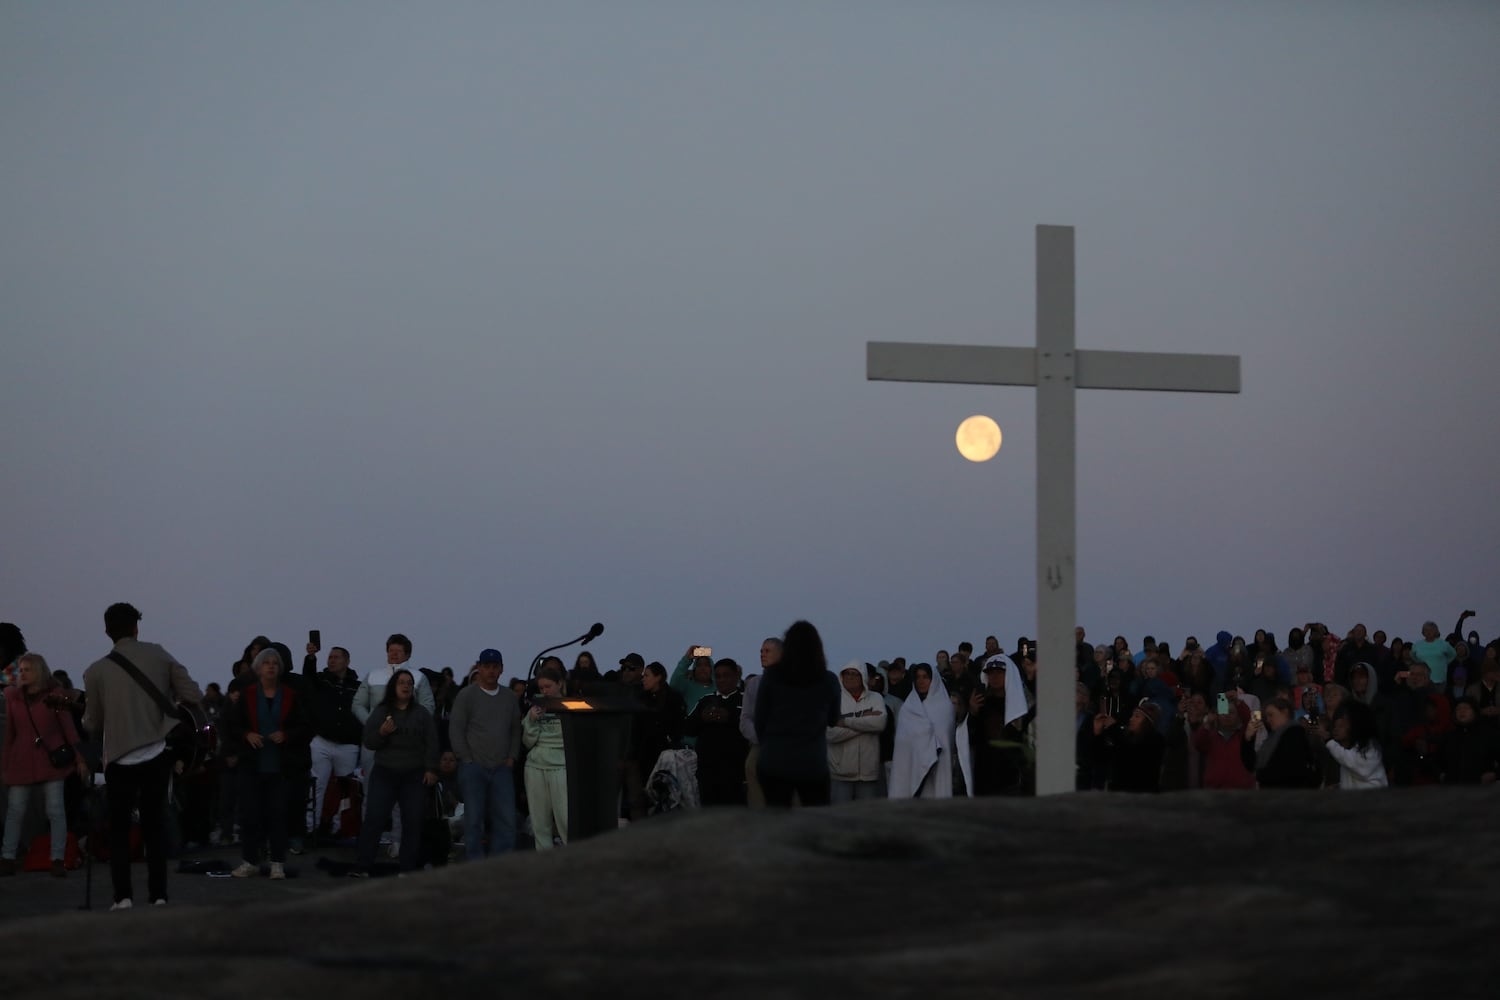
1255	715
1223	704
315	638
703	651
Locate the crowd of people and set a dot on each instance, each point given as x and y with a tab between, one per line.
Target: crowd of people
417	767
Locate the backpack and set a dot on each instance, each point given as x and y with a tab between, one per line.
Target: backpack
673	783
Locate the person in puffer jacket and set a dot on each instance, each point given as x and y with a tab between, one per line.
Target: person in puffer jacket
854	762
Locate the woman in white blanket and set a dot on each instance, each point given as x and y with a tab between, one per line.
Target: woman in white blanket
923	761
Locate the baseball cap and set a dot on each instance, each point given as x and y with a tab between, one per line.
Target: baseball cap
491	656
633	660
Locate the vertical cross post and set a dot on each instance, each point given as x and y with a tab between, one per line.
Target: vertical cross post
1056	500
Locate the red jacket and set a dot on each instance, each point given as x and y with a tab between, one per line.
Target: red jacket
25	763
1222	767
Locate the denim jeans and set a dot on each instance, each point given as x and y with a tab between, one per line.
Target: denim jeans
854	791
17	797
489	799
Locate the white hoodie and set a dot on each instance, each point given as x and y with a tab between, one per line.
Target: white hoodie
1359	768
854	747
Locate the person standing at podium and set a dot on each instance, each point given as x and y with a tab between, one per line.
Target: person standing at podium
546	764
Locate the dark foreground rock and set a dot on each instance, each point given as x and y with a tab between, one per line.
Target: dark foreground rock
1206	895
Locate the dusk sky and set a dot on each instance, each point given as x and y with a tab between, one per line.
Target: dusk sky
482	322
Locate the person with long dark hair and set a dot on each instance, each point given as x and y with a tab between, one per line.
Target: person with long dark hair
1355	744
403	737
656	729
795	705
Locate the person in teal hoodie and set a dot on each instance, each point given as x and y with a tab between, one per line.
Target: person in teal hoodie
546	764
695	684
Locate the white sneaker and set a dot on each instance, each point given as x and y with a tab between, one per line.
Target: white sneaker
123	904
160	902
278	870
245	869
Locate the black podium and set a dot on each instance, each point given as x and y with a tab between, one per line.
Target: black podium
596	735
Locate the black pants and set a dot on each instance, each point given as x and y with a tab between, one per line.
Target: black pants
263	805
779	791
387	791
143	786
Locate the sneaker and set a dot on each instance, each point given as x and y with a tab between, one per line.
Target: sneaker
58	871
121	904
278	870
245	869
160	902
295	846
359	873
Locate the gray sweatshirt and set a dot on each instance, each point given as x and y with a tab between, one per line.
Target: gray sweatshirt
414	744
485	729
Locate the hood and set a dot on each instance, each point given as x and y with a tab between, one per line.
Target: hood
1370	691
1223	639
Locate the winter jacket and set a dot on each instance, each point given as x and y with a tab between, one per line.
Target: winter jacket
854	744
332	702
293	755
372	692
24	762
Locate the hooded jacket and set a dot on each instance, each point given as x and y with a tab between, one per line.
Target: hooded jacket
854	745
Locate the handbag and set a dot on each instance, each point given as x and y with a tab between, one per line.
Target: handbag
60	757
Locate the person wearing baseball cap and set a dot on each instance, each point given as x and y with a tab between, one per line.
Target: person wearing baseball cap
485	731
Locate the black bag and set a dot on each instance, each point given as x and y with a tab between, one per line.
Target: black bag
59	757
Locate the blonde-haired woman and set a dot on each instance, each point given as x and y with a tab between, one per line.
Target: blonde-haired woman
38	726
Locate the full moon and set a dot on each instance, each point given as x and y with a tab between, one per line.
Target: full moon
978	438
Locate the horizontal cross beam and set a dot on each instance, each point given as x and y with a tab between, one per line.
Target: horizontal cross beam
976	365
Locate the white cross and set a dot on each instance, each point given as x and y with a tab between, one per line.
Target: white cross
1056	370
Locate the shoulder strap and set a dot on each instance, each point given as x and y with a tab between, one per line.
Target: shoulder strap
140	678
35	731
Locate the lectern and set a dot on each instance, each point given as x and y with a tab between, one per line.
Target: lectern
596	735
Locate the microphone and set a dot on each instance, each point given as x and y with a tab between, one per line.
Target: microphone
594	632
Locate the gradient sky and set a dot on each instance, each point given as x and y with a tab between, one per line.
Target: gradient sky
483	322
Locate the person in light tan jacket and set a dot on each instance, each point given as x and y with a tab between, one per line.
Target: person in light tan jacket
137	766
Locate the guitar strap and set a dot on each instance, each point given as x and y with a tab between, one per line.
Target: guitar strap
162	703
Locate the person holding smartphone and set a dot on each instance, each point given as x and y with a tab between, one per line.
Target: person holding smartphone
402	734
546	772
